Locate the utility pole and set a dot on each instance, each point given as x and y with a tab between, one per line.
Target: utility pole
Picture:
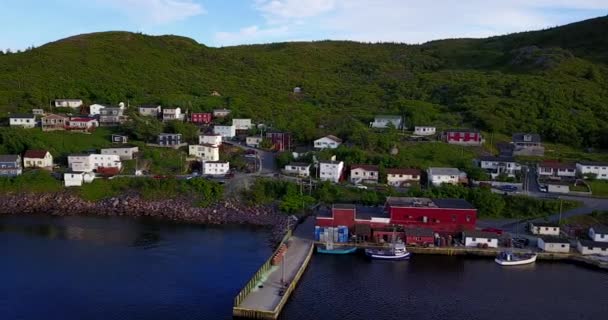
561	201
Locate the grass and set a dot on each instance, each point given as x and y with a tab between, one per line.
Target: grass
436	154
588	220
599	187
31	181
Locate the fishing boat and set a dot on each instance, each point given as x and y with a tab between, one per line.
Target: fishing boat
397	251
330	249
507	258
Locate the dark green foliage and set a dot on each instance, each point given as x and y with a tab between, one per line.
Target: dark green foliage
550	82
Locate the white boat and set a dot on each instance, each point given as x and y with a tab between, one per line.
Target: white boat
507	258
397	251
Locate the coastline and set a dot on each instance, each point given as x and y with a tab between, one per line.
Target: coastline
226	212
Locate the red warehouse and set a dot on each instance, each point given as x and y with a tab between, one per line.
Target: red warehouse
444	216
441	215
201	117
469	137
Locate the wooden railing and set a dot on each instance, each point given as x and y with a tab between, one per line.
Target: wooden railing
260	273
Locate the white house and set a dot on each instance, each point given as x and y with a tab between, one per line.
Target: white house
480	239
253	142
402	177
149	111
92	162
363	173
600	170
221	113
216	168
554	244
328	142
172	114
298	168
22	120
227	132
439	176
424	131
206	152
95	109
76	179
331	170
213	139
68	103
81	124
550	168
38	112
592	247
383	122
598	233
125	153
242	124
37	159
544	228
496	166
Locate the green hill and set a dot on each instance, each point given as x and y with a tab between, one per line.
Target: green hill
553	81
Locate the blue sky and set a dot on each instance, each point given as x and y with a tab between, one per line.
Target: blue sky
231	22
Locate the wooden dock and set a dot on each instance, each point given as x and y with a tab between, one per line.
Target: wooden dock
264	296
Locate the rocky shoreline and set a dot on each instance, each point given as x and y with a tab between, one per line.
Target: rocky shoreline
175	210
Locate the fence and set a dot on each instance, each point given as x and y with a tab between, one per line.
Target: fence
258	275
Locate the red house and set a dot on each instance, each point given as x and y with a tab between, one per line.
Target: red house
419	236
201	117
281	141
467	137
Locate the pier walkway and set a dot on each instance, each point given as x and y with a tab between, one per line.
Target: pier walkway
267	295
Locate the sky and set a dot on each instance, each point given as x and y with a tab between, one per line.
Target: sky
231	22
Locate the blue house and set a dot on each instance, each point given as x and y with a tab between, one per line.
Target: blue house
10	165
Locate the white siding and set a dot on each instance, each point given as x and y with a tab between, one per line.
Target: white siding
473	242
553	247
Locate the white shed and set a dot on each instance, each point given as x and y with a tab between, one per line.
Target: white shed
480	239
554	244
587	247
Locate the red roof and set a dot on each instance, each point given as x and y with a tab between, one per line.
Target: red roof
554	164
413	172
366	167
36	154
82	119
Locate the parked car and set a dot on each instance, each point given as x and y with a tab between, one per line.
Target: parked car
508	188
251	151
543	189
360	186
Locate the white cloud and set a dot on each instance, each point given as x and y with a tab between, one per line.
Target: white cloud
411	21
156	11
251	34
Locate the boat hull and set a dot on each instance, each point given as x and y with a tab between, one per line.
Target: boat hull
404	256
515	262
347	250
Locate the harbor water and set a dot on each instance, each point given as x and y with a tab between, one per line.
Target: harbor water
113	268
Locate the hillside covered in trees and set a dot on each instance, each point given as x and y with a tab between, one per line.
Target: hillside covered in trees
554	81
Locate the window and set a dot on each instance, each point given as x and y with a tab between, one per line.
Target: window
453	218
468	218
473	239
489	240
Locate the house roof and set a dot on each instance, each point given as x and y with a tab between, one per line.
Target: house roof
590	243
367	213
387	117
330	162
332	137
497	159
73	100
82	119
299	164
453	204
555	240
444	171
9	158
149	106
222	162
557	165
36	154
519	137
343	206
462	130
366	167
600	228
419	232
545	224
56	116
408	171
480	234
169	134
593	163
22	116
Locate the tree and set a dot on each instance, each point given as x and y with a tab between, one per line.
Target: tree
144	128
188	131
